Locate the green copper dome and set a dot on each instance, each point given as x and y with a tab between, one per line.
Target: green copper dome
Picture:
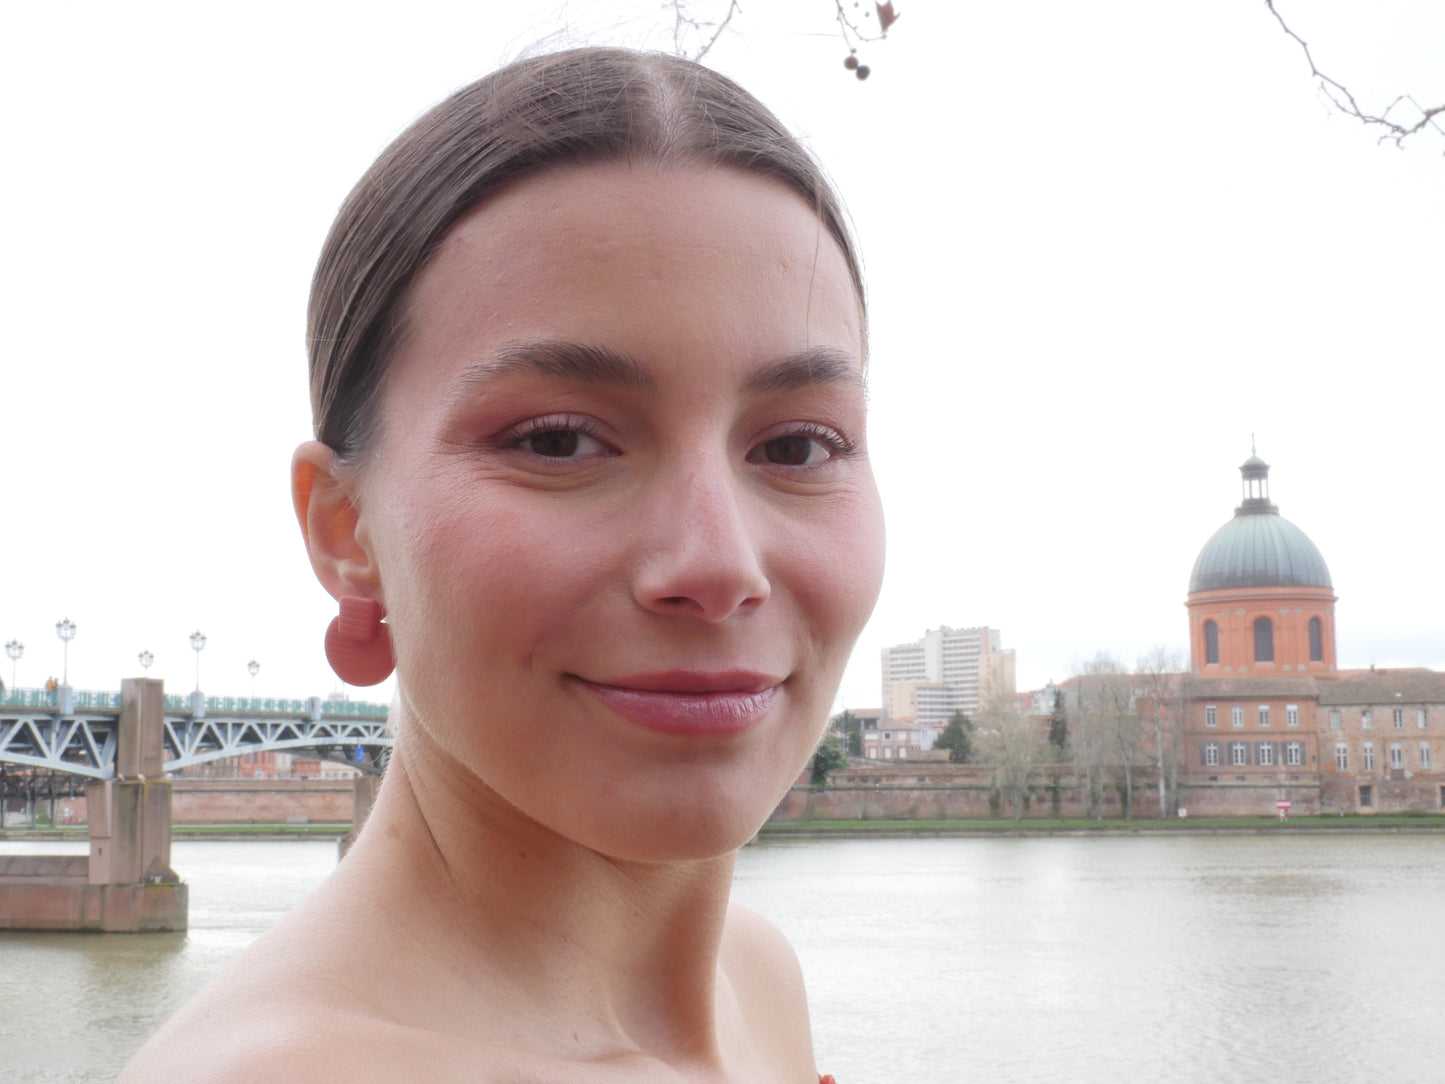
1258	547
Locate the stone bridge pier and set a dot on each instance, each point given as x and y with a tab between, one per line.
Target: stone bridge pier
127	883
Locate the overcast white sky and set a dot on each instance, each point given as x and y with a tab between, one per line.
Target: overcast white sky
1105	243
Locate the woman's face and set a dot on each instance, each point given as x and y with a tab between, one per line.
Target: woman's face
620	511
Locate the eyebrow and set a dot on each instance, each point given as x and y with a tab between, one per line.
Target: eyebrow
816	365
588	363
584	363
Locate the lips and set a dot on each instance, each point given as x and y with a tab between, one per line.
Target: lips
689	703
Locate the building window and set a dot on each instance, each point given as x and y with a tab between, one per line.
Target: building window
1334	720
888	752
1420	718
873	752
1342	756
1294	754
1399	719
1424	754
1236	716
1238	754
1291	715
1266	754
1211	644
1397	755
1367	796
1317	641
1211	717
1369	756
1264	715
1211	754
1367	721
1263	640
902	752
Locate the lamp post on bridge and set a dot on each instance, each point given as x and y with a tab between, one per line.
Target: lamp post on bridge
65	629
198	644
146	658
198	702
253	668
14	649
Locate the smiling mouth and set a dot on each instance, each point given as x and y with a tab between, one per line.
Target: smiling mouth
702	705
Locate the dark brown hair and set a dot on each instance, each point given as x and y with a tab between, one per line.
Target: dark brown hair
593	104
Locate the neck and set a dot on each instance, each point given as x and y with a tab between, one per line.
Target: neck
630	948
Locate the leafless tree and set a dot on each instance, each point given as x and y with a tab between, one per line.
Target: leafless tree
1392	130
1160	681
1104	731
1011	745
1086	746
695	34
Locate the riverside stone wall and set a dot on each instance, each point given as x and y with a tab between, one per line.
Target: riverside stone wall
244	801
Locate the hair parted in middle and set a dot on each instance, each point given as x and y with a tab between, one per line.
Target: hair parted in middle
568	108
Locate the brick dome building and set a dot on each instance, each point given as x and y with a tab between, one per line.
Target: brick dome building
1267	715
1260	597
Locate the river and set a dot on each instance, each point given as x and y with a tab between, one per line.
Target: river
1077	959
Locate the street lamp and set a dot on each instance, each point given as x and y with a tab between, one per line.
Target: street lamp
253	668
65	629
198	643
146	658
14	649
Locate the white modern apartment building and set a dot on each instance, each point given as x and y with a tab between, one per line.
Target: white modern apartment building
946	671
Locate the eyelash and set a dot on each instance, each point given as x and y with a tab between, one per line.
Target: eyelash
552	423
833	440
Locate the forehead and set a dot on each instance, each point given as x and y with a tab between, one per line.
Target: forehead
639	256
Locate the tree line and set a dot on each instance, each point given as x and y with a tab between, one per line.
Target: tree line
1110	725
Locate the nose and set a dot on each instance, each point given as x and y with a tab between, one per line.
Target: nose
701	556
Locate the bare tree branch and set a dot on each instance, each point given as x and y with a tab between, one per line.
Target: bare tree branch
852	32
694	35
707	31
1340	96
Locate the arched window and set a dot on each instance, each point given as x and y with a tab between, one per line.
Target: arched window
1317	646
1211	644
1263	640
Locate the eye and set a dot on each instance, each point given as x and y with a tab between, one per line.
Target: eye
564	437
561	443
806	446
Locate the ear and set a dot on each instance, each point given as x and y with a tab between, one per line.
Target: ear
326	510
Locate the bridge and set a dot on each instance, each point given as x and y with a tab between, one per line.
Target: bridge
75	731
125	745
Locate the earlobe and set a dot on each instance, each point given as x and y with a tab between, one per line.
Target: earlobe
326	510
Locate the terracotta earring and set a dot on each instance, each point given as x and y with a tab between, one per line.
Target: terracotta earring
358	645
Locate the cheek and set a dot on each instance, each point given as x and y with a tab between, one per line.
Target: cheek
837	572
467	573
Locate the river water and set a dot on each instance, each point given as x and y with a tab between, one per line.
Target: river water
1295	958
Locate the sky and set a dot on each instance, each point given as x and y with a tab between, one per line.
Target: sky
1107	245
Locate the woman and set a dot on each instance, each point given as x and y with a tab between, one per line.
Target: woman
587	352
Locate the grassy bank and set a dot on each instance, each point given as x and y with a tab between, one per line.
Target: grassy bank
1043	827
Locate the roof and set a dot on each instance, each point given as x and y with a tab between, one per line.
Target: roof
1413	686
1303	686
1258	547
1381	687
1259	550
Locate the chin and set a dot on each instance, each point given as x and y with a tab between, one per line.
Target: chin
694	827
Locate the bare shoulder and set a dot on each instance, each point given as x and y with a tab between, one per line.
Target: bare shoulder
200	1047
241	1032
766	978
288	1008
